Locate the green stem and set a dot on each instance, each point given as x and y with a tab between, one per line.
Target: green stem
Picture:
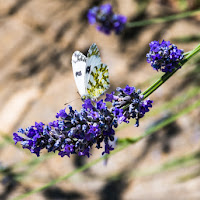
163	19
166	76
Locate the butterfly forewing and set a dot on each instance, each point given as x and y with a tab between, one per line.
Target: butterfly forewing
98	81
93	50
93	59
79	69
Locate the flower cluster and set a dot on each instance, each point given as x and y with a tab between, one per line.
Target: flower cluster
75	132
106	20
128	103
164	56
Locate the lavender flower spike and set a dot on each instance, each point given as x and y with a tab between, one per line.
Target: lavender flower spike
106	20
164	56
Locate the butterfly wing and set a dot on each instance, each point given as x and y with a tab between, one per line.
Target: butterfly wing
79	69
93	55
93	59
98	81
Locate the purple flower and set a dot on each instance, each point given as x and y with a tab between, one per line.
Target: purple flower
17	138
101	105
87	104
93	132
119	22
109	97
92	15
94	115
106	20
106	9
148	103
54	123
129	90
69	148
30	138
85	152
118	112
164	56
110	132
108	147
61	113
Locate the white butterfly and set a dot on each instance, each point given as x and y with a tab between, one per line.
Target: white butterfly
90	74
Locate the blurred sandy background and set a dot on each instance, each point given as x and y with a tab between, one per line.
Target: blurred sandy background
38	38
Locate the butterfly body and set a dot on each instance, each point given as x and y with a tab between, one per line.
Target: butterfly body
90	74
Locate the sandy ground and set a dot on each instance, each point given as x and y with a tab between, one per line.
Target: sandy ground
37	41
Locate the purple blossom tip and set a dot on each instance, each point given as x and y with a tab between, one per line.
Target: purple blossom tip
61	113
164	56
128	90
87	104
109	97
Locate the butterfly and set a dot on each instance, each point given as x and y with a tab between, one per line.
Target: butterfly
90	74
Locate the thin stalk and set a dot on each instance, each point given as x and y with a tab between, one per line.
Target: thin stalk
163	19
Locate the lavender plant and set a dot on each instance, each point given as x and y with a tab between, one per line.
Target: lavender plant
76	132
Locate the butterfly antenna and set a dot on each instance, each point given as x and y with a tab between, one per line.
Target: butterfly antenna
78	93
72	101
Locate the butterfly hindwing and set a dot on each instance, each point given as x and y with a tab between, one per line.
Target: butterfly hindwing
98	81
79	69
